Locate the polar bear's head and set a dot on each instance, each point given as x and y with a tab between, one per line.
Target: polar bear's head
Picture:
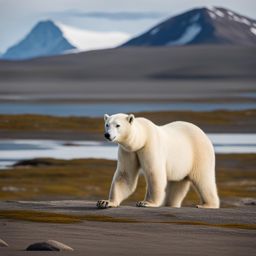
118	127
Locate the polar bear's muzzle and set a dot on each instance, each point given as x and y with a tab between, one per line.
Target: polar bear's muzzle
107	136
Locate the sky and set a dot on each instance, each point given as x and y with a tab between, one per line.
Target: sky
17	17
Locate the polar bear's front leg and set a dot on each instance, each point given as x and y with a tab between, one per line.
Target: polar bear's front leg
124	181
123	185
156	185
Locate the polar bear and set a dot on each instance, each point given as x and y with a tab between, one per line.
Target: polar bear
171	157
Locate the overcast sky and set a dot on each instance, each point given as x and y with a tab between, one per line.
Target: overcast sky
17	17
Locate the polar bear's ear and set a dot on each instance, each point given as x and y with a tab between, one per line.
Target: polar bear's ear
106	116
130	118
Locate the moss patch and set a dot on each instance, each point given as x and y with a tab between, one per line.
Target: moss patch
49	217
219	225
37	216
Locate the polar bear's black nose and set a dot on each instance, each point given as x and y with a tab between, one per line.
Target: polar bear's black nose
107	135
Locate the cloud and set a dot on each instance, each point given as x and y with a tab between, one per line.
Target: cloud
111	15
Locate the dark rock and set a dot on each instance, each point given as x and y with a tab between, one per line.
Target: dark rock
42	246
33	162
50	245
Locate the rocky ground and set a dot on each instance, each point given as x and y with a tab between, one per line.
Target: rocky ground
127	230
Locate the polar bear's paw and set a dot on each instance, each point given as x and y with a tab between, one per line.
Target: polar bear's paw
103	204
144	204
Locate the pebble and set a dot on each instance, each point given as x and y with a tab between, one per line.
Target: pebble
3	243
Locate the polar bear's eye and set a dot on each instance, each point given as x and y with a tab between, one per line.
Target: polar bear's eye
117	125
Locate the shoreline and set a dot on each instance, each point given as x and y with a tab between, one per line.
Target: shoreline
238	96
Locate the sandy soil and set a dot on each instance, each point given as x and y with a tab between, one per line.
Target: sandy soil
156	231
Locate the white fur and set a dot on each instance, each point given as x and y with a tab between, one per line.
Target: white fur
170	156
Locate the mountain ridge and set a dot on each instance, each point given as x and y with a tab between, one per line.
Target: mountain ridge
214	25
199	26
49	38
44	39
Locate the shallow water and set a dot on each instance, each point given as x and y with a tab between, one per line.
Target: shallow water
12	151
99	109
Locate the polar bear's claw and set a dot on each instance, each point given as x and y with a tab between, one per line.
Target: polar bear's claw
103	204
142	204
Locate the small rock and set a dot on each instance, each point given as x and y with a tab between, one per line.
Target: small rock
248	201
61	246
3	243
50	245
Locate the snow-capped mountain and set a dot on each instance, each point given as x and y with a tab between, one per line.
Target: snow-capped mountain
52	38
85	40
200	26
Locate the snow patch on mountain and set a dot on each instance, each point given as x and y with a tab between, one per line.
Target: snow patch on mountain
190	33
240	19
85	40
213	16
154	31
214	12
219	13
253	30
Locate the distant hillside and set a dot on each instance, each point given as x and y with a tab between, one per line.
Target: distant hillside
133	73
49	38
200	26
190	62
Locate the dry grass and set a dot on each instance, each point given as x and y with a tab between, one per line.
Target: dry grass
49	123
91	178
211	121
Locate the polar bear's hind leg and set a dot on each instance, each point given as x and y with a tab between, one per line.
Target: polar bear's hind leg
207	189
176	192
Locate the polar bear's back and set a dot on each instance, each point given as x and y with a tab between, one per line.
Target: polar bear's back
180	138
184	127
190	145
190	132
